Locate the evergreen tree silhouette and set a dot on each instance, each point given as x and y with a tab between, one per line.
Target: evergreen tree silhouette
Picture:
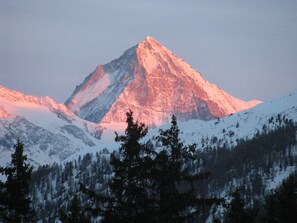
15	201
175	180
237	212
75	214
281	205
130	201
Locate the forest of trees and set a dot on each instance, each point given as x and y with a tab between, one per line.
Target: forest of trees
279	206
251	162
158	181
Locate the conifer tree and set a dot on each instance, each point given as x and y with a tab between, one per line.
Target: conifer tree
75	214
287	197
237	212
130	201
174	180
15	201
281	205
271	209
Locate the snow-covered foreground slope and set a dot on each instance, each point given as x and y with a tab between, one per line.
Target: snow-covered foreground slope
50	131
153	82
242	125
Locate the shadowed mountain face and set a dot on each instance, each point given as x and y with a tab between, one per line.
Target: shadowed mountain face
153	82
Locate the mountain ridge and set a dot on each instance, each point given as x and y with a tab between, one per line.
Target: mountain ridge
251	150
228	130
28	123
153	82
50	131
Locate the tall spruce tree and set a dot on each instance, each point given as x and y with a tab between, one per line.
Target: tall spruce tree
130	201
15	201
175	181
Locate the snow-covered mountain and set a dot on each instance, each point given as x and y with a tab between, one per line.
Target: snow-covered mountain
241	125
153	82
50	131
255	166
217	132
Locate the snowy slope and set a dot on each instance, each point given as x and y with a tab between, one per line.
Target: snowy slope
50	131
153	82
242	125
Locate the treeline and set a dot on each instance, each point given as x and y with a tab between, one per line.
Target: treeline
251	164
279	206
171	183
135	184
53	187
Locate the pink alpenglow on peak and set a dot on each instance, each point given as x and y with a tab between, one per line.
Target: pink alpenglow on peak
154	83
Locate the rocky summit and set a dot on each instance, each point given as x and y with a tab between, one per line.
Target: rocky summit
154	83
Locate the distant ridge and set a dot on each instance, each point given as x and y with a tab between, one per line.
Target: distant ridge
50	131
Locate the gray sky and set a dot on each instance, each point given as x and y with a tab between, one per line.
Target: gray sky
248	48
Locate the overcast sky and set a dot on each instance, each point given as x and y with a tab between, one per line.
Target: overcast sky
248	48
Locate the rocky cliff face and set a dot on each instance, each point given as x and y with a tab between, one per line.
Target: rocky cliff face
153	82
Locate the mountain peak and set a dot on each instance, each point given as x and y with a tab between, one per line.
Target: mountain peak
153	82
149	39
149	44
152	54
